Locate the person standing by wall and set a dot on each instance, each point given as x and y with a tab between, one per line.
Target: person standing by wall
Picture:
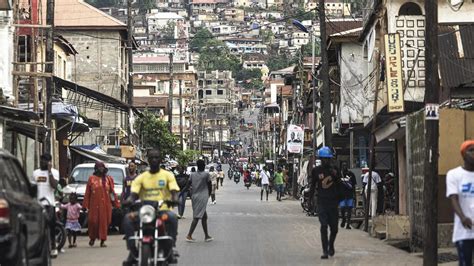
459	189
349	182
47	178
98	200
201	184
376	180
325	180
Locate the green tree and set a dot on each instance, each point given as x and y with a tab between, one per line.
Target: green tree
167	32
250	78
280	61
215	55
200	39
267	36
185	157
145	5
154	133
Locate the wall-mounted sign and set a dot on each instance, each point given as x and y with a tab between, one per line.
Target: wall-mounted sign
394	72
295	139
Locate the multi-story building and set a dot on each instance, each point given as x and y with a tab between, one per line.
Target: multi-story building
152	81
234	14
213	108
333	8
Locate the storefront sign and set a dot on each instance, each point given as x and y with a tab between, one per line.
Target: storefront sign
295	139
394	72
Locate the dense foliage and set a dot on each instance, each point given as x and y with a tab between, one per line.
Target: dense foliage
154	133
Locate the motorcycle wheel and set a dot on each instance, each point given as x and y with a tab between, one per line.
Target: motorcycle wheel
146	255
60	233
304	204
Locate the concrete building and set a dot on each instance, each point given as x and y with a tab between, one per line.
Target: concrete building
101	64
234	14
214	105
152	83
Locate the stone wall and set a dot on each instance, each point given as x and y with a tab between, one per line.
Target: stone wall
415	136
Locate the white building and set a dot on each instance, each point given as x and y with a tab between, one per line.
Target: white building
6	52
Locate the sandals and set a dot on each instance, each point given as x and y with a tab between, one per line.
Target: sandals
91	242
102	244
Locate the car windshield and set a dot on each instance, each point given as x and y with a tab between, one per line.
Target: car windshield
81	174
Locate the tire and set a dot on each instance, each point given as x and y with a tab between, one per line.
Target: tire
146	255
61	235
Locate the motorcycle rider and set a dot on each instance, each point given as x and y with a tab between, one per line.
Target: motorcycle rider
154	185
326	180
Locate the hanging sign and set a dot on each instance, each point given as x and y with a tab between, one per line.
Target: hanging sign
393	66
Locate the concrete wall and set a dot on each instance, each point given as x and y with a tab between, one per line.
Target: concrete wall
353	72
6	52
101	66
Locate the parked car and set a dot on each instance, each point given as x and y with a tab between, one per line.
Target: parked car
78	182
24	232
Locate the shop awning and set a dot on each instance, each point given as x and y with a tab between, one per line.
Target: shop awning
18	114
107	100
96	154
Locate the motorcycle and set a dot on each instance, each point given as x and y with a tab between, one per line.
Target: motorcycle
247	183
236	177
230	173
154	245
307	201
59	229
60	234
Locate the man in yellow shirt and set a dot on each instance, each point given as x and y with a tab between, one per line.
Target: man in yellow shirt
152	186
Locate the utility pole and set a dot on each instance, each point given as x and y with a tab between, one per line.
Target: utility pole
170	97
130	63
181	114
430	184
49	80
324	73
313	83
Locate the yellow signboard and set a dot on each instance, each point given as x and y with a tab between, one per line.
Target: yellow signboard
393	65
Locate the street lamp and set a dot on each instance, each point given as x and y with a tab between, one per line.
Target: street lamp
302	28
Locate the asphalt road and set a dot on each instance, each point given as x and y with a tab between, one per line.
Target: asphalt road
248	231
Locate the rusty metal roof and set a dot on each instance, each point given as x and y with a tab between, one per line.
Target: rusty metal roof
456	56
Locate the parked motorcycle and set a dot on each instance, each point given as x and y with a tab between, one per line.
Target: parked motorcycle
154	245
59	229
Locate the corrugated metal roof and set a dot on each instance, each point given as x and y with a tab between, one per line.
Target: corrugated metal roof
456	55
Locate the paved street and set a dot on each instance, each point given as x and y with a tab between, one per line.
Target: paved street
250	232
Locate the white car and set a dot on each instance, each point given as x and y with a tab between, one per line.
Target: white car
80	175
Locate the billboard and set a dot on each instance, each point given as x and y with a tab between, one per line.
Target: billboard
393	65
295	139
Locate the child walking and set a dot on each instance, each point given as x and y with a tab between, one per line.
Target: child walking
72	222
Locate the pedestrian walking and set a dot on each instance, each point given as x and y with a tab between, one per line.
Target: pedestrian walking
349	182
265	182
279	183
182	179
201	184
459	189
73	227
220	176
213	176
376	180
127	182
47	178
325	180
98	200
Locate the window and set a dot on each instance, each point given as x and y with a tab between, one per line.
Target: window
208	82
220	92
220	82
208	92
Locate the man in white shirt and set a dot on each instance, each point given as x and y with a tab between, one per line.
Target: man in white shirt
460	190
265	177
373	190
47	180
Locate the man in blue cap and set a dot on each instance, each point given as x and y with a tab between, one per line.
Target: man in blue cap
325	179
